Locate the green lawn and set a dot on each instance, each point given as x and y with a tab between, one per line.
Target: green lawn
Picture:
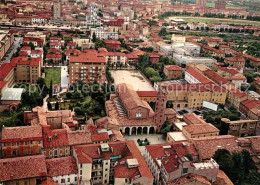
54	74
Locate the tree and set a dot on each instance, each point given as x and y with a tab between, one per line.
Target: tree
69	95
43	89
150	72
189	156
224	160
135	16
51	89
49	105
57	106
94	37
31	45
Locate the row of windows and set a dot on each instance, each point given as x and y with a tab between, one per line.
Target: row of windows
25	143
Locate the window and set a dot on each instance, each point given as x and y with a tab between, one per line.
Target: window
106	169
68	179
75	179
62	180
185	170
25	142
138	115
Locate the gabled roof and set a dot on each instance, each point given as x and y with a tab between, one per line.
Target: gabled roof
61	166
22	168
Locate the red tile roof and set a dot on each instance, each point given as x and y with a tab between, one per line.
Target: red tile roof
129	97
22	168
61	166
5	69
193	119
100	137
88	57
54	138
21	133
112	42
190	179
199	76
200	128
147	93
2	84
207	146
125	149
173	68
235	59
215	77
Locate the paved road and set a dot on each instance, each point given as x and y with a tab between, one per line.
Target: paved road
17	43
64	77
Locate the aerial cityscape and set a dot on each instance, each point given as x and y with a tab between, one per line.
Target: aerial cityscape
130	92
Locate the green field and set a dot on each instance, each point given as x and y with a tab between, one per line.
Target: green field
54	74
215	20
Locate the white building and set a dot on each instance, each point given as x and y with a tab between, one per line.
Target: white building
184	60
103	34
93	19
63	170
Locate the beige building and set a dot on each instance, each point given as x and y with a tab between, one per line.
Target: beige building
200	130
6	41
178	39
192	95
28	71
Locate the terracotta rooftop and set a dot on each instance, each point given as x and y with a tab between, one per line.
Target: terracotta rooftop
190	179
79	137
200	128
173	68
222	179
193	119
198	75
129	97
22	168
61	166
125	149
215	77
21	133
88	57
147	93
207	146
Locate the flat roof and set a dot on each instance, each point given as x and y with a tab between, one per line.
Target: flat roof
177	136
180	125
13	94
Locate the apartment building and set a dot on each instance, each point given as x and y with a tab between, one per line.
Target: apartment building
88	67
21	141
6	41
235	61
104	33
113	163
28	71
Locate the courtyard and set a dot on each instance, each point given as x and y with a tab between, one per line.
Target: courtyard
132	77
152	139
